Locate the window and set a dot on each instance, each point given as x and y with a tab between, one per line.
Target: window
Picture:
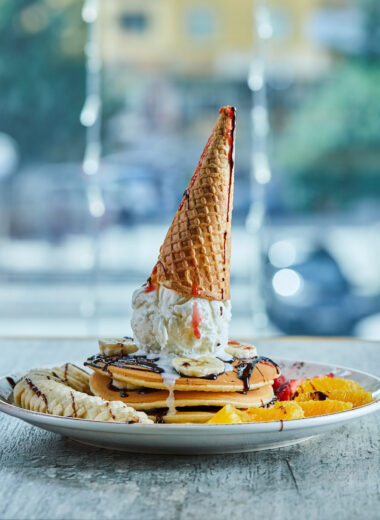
201	23
134	22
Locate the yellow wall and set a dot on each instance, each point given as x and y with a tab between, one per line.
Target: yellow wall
168	43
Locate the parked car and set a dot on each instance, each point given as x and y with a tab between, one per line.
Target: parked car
311	295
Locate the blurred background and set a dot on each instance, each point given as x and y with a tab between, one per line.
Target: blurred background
105	107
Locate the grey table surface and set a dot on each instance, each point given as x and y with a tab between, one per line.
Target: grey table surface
43	475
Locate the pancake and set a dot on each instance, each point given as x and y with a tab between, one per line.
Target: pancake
147	399
247	374
194	417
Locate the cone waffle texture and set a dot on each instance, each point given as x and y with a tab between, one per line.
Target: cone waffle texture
194	259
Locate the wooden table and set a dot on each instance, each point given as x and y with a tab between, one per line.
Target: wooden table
335	476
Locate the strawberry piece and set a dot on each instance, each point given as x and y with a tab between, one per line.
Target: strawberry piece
287	391
279	381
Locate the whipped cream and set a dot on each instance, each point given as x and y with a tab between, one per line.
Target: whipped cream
167	322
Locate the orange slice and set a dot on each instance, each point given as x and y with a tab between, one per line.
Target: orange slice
227	415
311	408
281	410
356	397
322	384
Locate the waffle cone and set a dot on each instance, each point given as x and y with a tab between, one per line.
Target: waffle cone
194	259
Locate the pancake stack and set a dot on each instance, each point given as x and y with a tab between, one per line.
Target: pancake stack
150	384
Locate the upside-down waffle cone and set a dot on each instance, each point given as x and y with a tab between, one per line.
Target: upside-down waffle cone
194	259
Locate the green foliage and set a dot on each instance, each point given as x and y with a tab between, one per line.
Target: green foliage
331	148
42	77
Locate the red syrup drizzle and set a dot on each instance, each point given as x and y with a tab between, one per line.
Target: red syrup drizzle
196	321
150	287
224	247
230	141
195	289
231	342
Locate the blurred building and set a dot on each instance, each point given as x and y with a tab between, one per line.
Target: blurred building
209	38
167	67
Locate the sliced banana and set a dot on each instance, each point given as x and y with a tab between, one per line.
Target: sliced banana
46	391
113	346
201	367
241	350
123	385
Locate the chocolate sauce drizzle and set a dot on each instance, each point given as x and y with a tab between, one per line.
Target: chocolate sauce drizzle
186	196
245	368
124	392
73	405
140	362
38	392
110	411
319	396
11	381
270	404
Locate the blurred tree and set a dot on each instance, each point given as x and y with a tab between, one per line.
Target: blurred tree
42	77
331	147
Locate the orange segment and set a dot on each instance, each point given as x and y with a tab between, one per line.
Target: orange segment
356	397
322	384
311	408
281	410
244	416
227	415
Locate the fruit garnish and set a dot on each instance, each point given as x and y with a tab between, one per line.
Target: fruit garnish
287	390
281	410
301	398
201	367
326	383
241	350
356	397
279	381
312	408
227	415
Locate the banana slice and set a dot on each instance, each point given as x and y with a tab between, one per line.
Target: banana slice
47	391
201	367
113	346
241	350
123	385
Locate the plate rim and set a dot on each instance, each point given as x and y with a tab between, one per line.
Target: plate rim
244	428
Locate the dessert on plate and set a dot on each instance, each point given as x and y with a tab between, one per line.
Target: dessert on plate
181	366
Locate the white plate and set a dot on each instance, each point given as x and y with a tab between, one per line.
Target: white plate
202	438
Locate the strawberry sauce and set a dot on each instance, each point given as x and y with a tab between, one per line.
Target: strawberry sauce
150	287
195	289
196	321
230	141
